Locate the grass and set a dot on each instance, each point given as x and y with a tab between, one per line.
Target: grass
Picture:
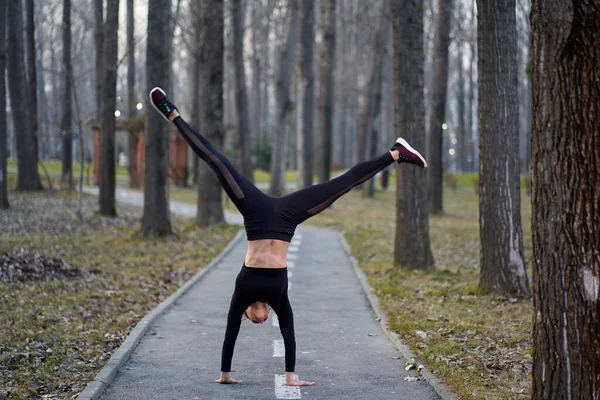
55	337
54	166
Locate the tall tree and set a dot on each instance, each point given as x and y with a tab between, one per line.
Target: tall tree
325	104
412	247
284	104
4	203
156	220
502	263
28	176
67	108
196	72
131	103
306	94
565	49
437	115
31	71
241	93
210	193
106	171
99	49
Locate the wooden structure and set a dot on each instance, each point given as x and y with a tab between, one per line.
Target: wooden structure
178	153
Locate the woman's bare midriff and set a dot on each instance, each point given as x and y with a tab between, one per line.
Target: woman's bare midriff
267	253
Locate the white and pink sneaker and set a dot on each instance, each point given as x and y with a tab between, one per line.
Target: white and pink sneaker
408	154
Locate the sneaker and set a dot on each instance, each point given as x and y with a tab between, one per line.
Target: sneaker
159	100
408	154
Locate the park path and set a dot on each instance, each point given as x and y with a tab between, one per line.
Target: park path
340	344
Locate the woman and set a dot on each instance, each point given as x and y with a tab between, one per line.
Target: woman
270	223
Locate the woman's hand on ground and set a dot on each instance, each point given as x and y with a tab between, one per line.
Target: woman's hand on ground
290	380
226	379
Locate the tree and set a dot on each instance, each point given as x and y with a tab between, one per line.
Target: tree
306	94
411	246
565	55
4	203
196	72
241	93
28	176
284	104
156	220
210	193
99	47
106	173
131	103
325	96
437	115
31	70
67	109
502	264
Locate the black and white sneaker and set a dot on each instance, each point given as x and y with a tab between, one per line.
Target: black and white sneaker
160	101
408	154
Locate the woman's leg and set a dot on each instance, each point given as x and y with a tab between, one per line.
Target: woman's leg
240	190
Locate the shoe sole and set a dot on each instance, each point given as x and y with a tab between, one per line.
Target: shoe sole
409	148
152	102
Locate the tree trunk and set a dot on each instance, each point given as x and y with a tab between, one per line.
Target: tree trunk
210	207
257	28
565	44
326	96
4	203
241	93
473	155
156	220
306	94
437	116
502	264
411	246
106	172
66	107
196	80
463	137
131	100
99	45
284	104
31	72
28	177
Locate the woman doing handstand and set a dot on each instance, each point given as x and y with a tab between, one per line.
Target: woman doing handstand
270	223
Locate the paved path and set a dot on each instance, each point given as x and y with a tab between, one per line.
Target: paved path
340	345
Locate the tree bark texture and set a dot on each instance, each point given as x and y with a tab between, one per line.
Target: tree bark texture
99	49
241	93
565	150
437	115
4	203
156	220
106	172
32	72
67	106
306	94
196	72
210	207
284	104
463	139
502	264
131	103
326	96
28	176
412	247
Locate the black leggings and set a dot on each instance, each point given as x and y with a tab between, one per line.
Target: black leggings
267	217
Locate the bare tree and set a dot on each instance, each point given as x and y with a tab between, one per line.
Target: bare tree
438	112
106	171
156	220
196	78
131	103
67	108
325	104
99	46
565	55
241	93
412	247
284	103
28	176
306	94
502	264
210	193
4	203
31	70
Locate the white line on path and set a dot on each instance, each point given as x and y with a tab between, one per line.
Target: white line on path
278	348
275	320
293	249
289	274
286	392
292	257
291	264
